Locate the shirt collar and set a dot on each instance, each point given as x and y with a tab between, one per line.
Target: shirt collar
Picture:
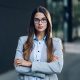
35	37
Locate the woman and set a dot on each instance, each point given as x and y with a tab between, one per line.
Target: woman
38	55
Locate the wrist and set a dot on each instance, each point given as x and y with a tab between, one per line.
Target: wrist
30	63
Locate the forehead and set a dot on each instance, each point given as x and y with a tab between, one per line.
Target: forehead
39	15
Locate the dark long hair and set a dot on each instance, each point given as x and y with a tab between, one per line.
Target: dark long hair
28	45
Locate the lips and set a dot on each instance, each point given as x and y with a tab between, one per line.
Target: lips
40	27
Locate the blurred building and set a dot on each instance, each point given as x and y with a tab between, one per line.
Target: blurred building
76	19
65	17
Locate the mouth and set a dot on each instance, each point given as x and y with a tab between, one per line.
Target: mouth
40	27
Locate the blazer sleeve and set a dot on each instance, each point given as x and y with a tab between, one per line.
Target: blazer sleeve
54	66
34	74
19	55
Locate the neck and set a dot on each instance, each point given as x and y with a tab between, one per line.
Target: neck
40	35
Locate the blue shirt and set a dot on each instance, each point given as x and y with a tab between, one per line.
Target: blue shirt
37	48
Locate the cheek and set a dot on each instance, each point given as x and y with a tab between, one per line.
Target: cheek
45	26
35	25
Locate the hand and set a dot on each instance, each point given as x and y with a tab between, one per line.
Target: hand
22	62
55	58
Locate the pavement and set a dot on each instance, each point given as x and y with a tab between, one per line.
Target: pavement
9	75
71	68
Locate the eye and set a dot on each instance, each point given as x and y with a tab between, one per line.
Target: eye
44	19
36	19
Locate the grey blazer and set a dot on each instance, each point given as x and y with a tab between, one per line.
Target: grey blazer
43	70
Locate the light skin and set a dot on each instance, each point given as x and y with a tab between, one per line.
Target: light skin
40	27
40	33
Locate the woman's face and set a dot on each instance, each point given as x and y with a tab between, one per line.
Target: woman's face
40	22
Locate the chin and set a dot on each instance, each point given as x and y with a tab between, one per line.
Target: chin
40	30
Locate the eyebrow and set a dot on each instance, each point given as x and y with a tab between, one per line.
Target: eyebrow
41	18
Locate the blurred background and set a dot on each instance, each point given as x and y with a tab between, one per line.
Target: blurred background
14	22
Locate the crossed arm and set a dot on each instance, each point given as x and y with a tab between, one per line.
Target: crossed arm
22	66
38	69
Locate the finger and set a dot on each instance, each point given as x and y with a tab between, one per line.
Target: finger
17	62
55	58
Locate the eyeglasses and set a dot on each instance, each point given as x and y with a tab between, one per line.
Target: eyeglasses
37	20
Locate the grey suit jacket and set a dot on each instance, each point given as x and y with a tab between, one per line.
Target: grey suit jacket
43	70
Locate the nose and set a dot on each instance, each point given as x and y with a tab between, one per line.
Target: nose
40	22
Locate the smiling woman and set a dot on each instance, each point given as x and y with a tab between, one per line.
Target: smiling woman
38	55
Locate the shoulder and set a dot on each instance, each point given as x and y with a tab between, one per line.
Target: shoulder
55	39
57	43
23	39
